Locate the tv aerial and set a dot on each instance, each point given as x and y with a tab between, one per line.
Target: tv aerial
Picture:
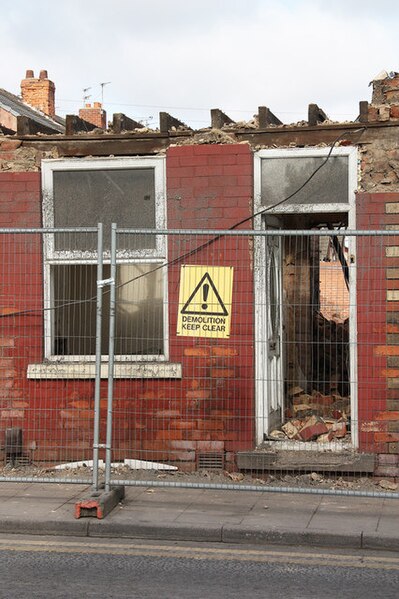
86	96
103	84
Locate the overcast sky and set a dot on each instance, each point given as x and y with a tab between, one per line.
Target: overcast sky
188	56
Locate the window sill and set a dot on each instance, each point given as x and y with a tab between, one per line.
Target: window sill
87	370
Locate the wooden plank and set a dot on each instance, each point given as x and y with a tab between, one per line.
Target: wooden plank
299	136
150	143
104	147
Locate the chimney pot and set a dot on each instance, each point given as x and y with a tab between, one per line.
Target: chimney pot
39	93
97	105
88	105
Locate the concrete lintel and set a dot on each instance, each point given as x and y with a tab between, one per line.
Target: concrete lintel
87	370
99	504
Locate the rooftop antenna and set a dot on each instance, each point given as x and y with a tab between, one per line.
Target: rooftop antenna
103	84
85	95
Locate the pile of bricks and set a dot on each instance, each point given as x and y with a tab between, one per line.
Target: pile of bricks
315	417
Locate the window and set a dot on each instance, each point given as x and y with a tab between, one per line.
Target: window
280	173
81	193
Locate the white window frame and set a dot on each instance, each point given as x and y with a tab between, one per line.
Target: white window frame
350	209
51	256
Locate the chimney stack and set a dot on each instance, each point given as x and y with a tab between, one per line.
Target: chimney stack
94	115
39	93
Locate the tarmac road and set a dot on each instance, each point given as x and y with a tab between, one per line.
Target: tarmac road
32	567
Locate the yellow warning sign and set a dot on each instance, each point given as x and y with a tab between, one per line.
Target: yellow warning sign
205	301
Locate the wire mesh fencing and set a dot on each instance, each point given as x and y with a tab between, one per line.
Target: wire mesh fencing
263	360
48	333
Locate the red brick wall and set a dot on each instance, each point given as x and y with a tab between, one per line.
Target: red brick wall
211	186
21	290
212	407
378	330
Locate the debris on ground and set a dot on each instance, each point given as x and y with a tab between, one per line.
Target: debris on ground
314	417
295	480
388	485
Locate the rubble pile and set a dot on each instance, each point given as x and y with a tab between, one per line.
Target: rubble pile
316	417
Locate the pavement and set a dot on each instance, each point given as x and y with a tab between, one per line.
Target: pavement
226	516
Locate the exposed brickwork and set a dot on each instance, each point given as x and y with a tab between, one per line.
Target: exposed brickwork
212	407
39	93
378	319
94	115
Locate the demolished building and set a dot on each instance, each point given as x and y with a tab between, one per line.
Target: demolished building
312	354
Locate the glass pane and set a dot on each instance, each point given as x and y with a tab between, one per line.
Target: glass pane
139	320
85	198
74	320
139	315
283	176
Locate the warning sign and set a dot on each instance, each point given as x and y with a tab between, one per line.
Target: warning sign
205	301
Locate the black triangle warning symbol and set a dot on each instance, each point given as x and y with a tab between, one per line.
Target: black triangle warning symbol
200	306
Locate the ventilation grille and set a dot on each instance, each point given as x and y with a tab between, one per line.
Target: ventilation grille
210	460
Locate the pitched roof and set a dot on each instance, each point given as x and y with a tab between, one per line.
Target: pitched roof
17	107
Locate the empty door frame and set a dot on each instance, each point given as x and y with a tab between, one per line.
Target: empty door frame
261	398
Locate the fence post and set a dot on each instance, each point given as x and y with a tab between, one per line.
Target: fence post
97	384
111	355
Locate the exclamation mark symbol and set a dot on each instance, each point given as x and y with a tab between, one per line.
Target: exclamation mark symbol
205	292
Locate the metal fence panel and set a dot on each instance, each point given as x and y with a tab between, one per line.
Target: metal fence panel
262	360
227	359
50	318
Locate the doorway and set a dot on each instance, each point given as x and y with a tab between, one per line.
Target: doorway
305	339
